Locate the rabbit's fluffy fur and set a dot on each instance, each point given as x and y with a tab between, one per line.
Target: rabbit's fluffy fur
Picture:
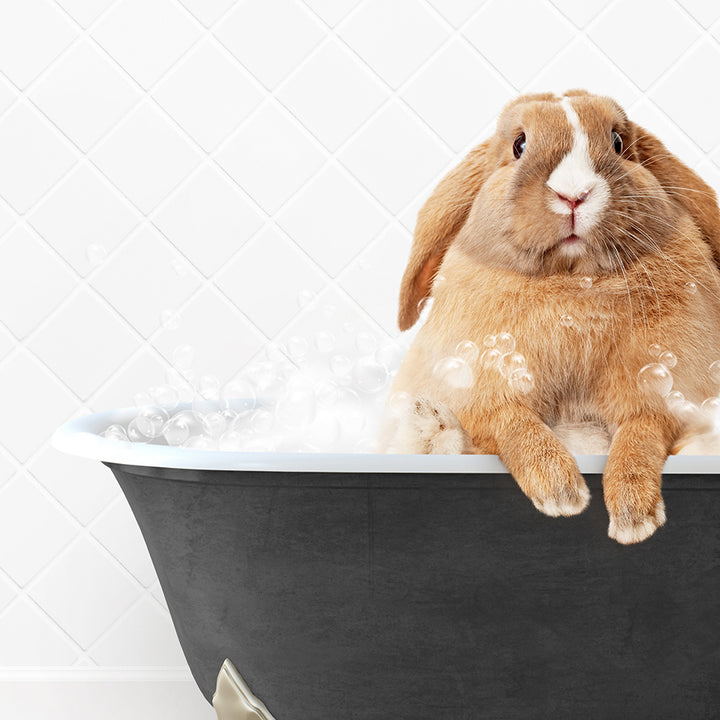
501	245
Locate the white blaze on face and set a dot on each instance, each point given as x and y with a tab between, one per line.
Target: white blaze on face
575	177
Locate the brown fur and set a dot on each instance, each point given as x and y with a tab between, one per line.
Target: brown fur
488	230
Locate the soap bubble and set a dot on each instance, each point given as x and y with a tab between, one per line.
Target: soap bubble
214	424
675	399
296	408
366	343
510	362
369	376
239	396
399	403
116	432
668	359
329	311
305	297
150	420
390	355
491	358
231	441
341	365
505	343
654	350
165	395
179	428
261	421
96	254
490	341
297	347
566	320
326	393
468	351
690	288
200	442
655	379
134	433
142	399
453	371
714	370
324	431
522	380
351	411
324	341
586	282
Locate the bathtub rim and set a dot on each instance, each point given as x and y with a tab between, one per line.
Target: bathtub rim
80	436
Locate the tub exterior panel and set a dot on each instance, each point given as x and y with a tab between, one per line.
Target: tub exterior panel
419	597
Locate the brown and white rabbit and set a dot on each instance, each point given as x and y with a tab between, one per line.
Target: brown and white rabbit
575	231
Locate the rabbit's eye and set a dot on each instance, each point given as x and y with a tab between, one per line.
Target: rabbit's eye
617	142
519	145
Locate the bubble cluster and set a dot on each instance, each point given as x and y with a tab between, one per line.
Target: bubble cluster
500	355
586	282
655	379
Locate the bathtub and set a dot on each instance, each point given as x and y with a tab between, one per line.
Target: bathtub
363	587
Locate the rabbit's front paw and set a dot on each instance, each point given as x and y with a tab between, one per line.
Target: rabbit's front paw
429	427
633	524
563	497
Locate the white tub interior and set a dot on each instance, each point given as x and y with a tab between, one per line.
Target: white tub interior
82	437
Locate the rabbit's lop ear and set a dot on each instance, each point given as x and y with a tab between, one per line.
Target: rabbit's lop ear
439	221
682	184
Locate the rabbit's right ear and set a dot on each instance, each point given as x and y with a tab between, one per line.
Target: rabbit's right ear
439	221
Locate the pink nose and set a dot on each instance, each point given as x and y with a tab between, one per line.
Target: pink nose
574	202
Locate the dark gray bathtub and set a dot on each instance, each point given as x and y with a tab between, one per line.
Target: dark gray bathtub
353	594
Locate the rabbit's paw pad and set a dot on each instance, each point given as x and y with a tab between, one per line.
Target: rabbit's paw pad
628	527
570	499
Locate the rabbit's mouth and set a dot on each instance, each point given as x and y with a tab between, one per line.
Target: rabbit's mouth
570	239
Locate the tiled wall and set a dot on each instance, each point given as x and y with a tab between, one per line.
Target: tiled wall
215	159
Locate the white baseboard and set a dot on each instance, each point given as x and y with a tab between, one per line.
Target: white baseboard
89	694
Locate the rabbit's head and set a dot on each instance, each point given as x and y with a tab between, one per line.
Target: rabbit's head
565	185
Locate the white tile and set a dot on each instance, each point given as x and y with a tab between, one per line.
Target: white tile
457	94
698	114
269	49
145	637
146	157
7	468
647	115
455	12
34	156
265	280
500	28
7	342
141	283
394	38
33	530
22	378
667	33
270	157
84	487
84	344
222	339
84	591
157	592
395	157
32	35
332	219
208	11
332	94
582	65
144	371
85	12
705	12
24	260
208	219
8	95
8	217
83	209
29	639
146	36
7	593
331	11
580	13
119	533
208	94
373	280
85	94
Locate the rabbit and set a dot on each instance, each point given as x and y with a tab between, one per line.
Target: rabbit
576	232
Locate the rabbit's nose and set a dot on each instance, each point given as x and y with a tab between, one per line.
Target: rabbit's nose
573	202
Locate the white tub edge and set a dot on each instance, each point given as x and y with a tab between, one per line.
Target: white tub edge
81	437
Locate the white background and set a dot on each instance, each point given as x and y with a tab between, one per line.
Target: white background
228	156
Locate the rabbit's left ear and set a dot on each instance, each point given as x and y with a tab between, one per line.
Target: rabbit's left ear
681	183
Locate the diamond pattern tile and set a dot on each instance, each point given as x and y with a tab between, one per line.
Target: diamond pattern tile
84	591
146	37
209	219
221	158
32	34
146	157
35	156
